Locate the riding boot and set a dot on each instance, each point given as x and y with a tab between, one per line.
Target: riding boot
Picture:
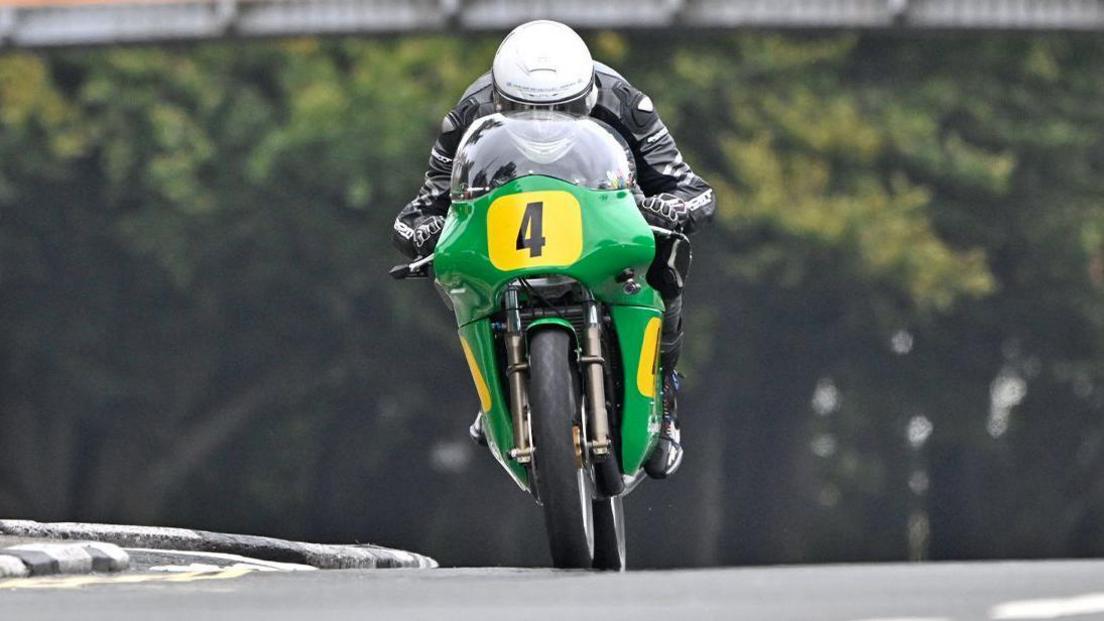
667	456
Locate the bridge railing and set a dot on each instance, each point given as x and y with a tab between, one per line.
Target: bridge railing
38	23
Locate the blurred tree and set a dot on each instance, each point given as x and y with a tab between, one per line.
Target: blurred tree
891	212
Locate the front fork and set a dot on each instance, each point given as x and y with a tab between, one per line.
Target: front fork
516	367
590	358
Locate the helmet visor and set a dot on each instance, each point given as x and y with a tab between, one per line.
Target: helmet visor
580	104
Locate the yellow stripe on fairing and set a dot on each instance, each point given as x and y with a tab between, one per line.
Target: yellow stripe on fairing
649	358
477	377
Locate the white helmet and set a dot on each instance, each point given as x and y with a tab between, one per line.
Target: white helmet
545	65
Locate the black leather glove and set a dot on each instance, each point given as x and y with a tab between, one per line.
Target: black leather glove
665	210
427	230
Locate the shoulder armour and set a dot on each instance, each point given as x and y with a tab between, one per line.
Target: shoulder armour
476	102
480	83
604	69
633	108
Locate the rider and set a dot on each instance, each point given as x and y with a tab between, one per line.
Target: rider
545	65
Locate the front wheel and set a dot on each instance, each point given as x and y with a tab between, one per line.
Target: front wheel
564	486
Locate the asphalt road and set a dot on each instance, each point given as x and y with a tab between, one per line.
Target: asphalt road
1065	589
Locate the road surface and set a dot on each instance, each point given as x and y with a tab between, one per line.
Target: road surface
928	592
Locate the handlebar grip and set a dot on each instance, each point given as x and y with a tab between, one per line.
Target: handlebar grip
404	271
417	269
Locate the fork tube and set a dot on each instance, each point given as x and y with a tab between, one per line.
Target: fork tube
596	382
516	366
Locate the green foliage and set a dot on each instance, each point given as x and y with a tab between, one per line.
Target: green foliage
821	164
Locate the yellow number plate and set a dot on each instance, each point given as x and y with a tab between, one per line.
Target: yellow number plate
534	229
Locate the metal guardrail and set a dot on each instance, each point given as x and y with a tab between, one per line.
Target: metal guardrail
40	23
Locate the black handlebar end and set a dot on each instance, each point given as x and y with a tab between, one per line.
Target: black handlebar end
404	271
399	272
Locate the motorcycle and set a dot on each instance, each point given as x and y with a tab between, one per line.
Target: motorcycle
543	257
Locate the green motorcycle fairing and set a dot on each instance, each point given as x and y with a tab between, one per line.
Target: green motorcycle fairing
538	226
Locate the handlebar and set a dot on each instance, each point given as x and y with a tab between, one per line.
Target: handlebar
662	232
417	269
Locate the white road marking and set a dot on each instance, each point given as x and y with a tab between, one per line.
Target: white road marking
207	567
1091	603
238	560
180	569
75	582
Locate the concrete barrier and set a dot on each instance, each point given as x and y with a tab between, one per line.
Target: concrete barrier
322	556
42	559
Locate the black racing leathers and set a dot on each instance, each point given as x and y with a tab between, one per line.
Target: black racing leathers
659	169
659	164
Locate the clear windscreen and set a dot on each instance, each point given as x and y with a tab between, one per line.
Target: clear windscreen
576	149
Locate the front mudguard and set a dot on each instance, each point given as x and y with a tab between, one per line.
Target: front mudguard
551	321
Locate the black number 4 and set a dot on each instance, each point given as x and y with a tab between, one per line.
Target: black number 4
532	223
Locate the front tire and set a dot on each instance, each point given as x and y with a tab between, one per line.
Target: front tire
609	534
564	488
